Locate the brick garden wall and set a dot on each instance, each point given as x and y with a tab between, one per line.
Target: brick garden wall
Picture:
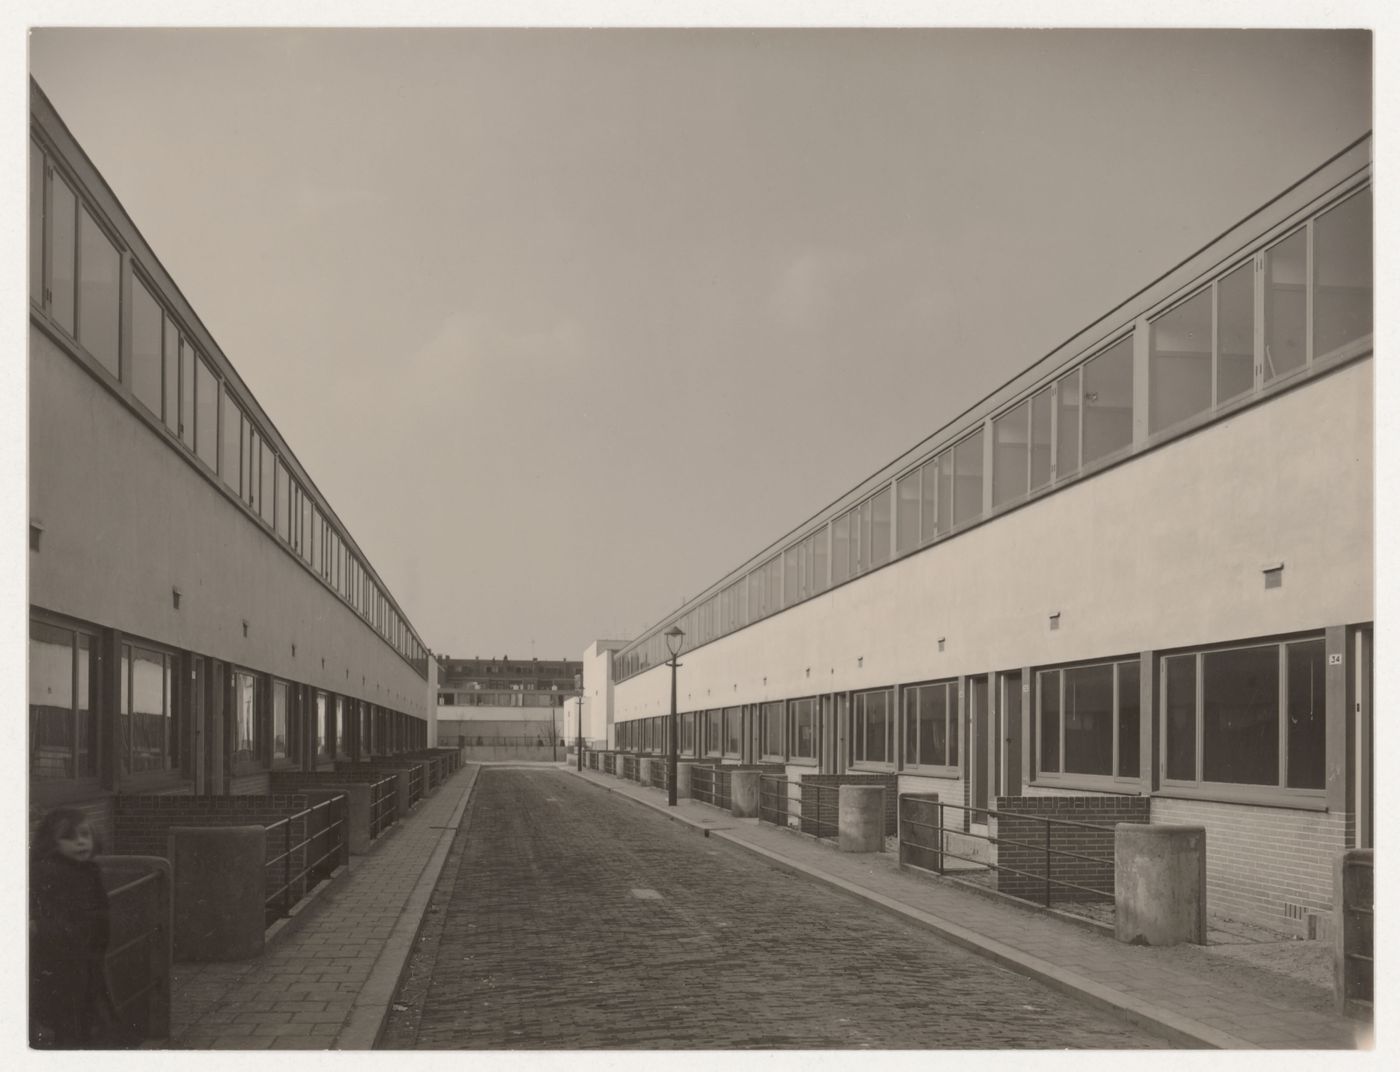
1271	866
255	785
1102	809
142	823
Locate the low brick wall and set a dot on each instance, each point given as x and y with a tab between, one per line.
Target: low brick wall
1028	854
142	823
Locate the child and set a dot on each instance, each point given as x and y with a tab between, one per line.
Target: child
68	998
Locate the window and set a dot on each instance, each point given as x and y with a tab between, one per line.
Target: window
931	725
283	496
281	739
688	733
267	492
145	724
1179	362
841	549
1256	715
733	731
63	246
231	425
771	730
714	733
206	422
244	718
1286	306
1067	428
1011	463
36	224
1234	334
62	703
1040	438
324	729
1089	719
187	363
340	727
1108	401
881	505
967	479
146	321
99	293
802	729
1342	274
907	512
170	351
872	727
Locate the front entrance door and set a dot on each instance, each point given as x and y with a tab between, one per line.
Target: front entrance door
1009	771
1365	830
211	689
983	756
195	721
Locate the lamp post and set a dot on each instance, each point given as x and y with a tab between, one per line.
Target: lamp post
675	638
578	711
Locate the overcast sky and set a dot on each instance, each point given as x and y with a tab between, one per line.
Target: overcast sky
566	324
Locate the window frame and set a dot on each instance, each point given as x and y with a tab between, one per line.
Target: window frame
1200	787
176	752
1117	781
858	716
53	790
952	727
237	765
794	710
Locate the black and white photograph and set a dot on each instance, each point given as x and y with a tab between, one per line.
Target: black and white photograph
748	533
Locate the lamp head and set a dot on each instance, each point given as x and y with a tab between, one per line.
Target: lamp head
675	637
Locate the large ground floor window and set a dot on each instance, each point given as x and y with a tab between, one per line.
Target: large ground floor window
802	723
770	731
1088	720
63	702
147	734
872	726
931	726
1251	714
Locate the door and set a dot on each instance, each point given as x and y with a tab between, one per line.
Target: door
212	689
1009	773
1365	797
983	756
195	720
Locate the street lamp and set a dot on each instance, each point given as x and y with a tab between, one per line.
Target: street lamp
675	638
578	710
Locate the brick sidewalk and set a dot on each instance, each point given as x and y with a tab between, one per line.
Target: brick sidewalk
328	984
1152	987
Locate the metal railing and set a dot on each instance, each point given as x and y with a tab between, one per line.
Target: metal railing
322	848
774	799
712	785
139	950
660	772
383	805
819	809
931	838
629	768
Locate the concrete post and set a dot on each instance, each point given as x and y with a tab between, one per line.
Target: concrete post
400	792
644	770
357	811
1159	884
860	818
220	891
920	844
743	793
683	769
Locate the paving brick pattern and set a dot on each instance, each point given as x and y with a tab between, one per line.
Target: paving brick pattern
299	994
1185	986
567	918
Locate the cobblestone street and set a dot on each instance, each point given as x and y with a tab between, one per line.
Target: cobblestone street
566	918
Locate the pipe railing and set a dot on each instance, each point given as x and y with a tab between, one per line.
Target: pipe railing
322	848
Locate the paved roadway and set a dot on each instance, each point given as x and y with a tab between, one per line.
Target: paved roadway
569	918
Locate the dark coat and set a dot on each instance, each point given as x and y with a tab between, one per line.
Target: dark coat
68	917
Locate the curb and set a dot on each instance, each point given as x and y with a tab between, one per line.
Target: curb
1180	1030
370	1010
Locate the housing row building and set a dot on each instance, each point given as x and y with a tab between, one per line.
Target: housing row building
1143	567
504	703
200	617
